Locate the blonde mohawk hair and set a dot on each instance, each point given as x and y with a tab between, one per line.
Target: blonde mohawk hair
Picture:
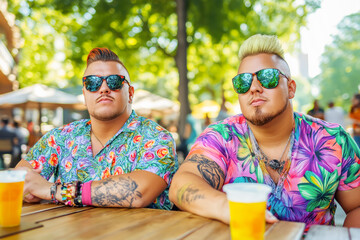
260	43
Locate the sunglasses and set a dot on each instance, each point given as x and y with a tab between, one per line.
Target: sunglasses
93	83
268	78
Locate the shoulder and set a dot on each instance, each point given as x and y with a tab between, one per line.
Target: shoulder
146	127
70	128
303	119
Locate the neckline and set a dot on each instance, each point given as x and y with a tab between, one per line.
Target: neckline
259	156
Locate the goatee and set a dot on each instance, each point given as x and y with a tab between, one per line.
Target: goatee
261	119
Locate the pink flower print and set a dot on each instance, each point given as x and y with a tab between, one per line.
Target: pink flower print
149	155
133	156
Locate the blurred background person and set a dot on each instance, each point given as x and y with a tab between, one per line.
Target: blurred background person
334	114
355	117
223	113
8	140
191	132
22	134
207	120
316	111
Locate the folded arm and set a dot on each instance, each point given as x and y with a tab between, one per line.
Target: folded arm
196	188
135	189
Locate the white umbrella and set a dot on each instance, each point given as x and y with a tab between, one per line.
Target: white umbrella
147	102
32	96
39	96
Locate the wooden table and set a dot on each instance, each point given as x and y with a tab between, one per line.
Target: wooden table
50	221
317	232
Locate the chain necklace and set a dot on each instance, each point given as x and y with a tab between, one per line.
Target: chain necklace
275	164
102	145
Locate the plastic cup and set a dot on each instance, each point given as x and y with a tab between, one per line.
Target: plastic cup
247	202
11	197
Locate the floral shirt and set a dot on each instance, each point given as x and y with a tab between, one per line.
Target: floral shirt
323	159
140	144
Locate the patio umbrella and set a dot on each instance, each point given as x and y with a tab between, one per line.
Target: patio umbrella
146	102
39	96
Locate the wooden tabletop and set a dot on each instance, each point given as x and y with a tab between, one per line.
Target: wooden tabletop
318	232
50	221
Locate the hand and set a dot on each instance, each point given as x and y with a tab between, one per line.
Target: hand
270	218
35	187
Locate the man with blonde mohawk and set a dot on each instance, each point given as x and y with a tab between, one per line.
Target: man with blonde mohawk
307	162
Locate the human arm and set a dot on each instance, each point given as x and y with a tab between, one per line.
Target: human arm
135	189
350	202
196	188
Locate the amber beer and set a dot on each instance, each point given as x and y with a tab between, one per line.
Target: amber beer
247	202
11	197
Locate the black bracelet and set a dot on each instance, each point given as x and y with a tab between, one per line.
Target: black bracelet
53	190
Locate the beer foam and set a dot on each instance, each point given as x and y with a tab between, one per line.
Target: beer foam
8	176
247	192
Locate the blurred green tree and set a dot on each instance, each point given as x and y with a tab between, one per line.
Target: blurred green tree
165	44
340	71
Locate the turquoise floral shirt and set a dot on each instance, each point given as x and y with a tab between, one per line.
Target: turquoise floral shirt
140	144
323	159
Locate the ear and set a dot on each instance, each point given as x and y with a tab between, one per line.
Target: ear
291	88
131	94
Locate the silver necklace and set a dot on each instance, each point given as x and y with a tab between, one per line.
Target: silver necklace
275	164
102	145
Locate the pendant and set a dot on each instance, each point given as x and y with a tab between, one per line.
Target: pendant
275	164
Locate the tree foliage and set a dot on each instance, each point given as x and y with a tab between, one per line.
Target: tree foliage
340	71
58	34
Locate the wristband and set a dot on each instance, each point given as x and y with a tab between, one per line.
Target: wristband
86	194
53	190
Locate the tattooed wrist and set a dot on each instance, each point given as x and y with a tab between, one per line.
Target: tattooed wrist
118	192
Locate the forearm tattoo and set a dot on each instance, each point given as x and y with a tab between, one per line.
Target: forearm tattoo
120	192
188	194
209	170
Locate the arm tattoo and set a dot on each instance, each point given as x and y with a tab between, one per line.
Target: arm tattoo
187	194
119	192
209	170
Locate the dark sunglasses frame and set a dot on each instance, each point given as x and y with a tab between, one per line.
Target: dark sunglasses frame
269	78
93	83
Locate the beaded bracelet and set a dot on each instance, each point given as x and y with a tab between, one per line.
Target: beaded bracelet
71	193
53	190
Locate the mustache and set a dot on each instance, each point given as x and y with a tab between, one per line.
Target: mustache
104	96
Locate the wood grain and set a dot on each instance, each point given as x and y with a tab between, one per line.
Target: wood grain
285	230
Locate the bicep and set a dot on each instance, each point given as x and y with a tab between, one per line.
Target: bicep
349	199
205	168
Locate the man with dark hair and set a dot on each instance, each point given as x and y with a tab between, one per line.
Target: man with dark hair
115	159
8	140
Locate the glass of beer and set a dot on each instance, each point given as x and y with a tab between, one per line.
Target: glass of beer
247	202
11	197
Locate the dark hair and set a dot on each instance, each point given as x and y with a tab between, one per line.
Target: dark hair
353	107
105	55
5	121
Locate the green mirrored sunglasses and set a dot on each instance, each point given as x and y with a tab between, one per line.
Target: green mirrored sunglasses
268	78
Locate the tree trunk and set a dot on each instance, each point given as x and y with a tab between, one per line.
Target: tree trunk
181	63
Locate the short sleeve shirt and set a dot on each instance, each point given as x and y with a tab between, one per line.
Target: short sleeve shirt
140	144
323	159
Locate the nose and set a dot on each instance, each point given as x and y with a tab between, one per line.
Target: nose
104	88
255	85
